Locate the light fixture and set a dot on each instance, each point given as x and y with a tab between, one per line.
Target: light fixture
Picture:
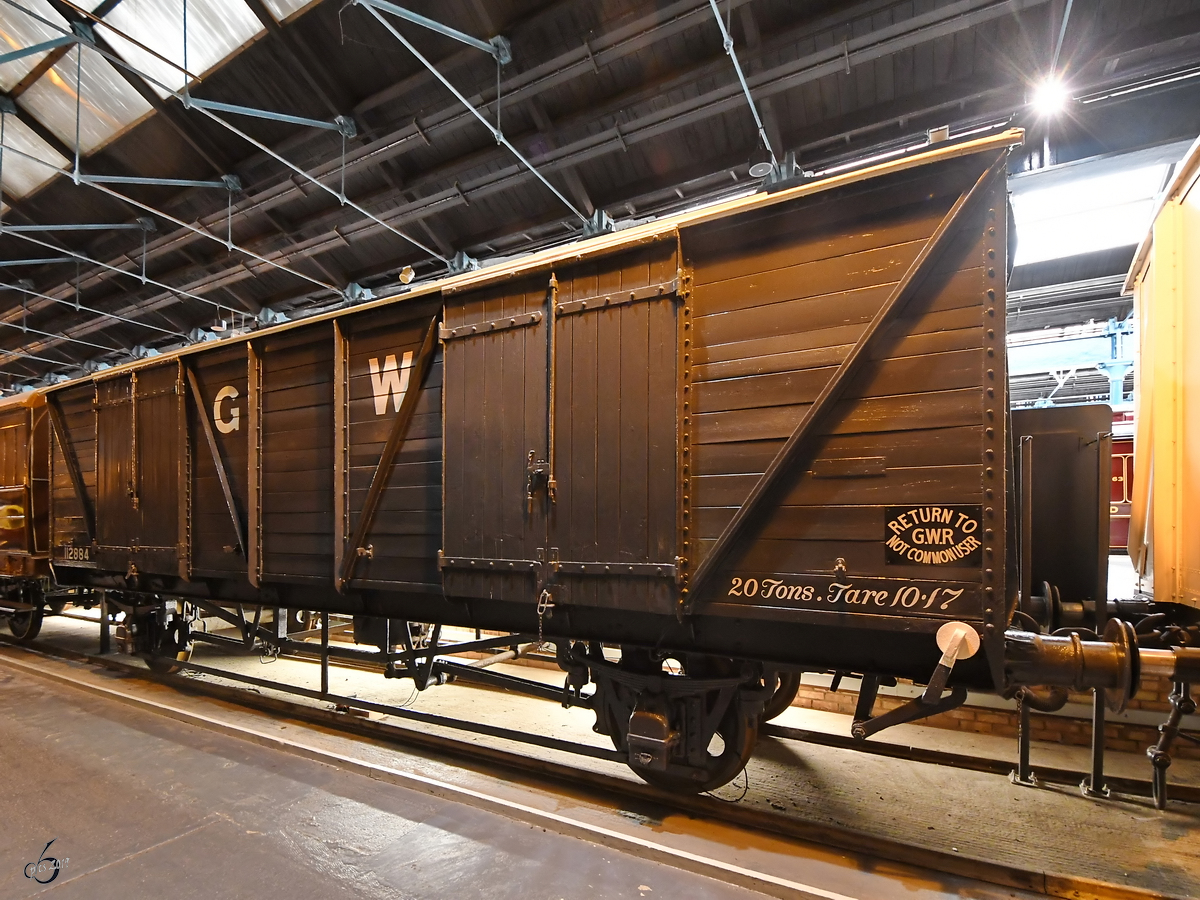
219	325
1050	97
407	275
761	162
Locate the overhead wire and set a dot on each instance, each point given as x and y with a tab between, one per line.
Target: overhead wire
185	99
79	307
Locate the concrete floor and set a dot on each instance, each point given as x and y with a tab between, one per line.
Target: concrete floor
1122	840
142	806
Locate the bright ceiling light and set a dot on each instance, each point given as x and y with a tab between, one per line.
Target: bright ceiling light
1050	97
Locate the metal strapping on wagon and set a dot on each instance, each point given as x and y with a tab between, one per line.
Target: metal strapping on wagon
649	570
618	298
515	565
462	331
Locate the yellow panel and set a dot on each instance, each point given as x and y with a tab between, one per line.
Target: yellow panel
1164	536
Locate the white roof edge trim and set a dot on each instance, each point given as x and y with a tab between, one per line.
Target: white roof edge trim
1186	175
596	246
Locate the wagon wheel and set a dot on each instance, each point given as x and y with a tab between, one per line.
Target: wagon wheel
787	685
26	625
172	641
738	734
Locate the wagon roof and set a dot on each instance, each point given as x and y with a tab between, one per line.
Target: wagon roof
1187	173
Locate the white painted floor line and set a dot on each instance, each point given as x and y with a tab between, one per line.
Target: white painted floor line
693	862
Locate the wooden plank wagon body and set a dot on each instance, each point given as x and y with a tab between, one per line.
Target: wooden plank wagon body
758	438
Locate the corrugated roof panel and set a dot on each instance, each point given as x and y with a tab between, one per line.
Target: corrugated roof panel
17	31
215	29
283	9
108	104
22	176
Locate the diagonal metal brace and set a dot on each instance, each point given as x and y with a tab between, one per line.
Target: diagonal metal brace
408	406
499	47
59	427
797	445
218	463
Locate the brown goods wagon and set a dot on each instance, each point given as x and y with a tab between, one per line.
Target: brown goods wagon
758	438
24	512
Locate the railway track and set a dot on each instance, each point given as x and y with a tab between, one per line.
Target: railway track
609	785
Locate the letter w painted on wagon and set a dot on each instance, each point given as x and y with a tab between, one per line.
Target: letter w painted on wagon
390	381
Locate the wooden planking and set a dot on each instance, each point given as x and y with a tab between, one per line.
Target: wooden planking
159	458
943	409
904	375
918	484
212	526
495	413
116	516
933	447
79	419
767	344
295	365
815	313
939	332
827	224
615	372
814	523
864	559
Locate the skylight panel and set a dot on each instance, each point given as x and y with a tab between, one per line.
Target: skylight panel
108	106
215	29
1085	214
283	9
18	31
21	175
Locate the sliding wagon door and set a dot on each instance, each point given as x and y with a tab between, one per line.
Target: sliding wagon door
494	527
614	522
138	470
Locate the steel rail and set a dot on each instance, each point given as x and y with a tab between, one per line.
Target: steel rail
769	821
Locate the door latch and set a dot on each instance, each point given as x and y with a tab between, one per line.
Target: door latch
538	477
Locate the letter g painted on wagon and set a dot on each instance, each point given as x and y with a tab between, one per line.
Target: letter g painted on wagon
233	423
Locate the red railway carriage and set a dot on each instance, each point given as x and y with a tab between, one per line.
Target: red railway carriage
759	438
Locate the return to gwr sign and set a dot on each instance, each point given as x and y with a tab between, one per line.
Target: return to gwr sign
934	535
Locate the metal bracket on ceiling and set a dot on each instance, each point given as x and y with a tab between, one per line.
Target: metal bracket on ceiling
22	52
342	124
83	31
268	316
8	105
221	184
499	47
374	7
461	262
356	293
787	174
142	224
599	223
